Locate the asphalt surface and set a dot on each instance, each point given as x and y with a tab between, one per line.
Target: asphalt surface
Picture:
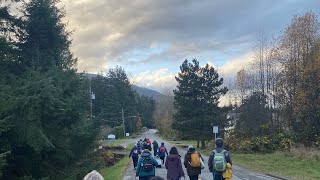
239	173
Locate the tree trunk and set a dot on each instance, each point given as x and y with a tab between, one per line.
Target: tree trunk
198	143
203	144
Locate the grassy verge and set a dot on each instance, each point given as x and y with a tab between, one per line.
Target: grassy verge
117	171
279	164
185	143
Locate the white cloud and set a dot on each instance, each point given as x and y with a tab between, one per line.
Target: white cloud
231	67
157	80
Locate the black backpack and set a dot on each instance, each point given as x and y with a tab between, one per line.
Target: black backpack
147	164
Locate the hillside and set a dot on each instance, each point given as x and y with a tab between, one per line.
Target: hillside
148	92
140	90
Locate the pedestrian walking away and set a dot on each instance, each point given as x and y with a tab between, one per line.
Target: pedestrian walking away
173	165
135	151
146	144
192	162
162	152
146	166
219	162
155	147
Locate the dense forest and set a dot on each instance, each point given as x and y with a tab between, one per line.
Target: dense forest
45	124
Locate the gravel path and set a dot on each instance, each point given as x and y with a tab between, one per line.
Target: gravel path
238	172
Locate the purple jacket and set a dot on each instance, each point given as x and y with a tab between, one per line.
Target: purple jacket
174	166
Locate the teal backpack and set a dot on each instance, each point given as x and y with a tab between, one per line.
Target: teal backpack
219	162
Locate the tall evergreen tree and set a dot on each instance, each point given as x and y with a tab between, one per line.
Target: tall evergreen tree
44	107
47	42
196	100
250	125
113	93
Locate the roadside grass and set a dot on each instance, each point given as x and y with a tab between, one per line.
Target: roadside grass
279	164
117	142
185	143
116	171
113	143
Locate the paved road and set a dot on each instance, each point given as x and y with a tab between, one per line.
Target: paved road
238	172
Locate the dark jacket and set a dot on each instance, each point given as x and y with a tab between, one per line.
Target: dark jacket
227	156
192	171
174	166
155	145
135	151
162	154
139	170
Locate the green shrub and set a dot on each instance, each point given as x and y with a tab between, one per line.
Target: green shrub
118	131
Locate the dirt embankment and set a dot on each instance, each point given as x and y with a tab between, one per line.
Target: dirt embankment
110	155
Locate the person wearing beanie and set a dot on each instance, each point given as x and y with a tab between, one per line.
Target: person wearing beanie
190	146
219	156
93	175
146	166
192	171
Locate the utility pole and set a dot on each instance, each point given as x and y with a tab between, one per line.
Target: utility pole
92	97
90	102
124	128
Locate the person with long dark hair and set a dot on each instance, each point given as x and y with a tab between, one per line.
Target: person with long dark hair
173	165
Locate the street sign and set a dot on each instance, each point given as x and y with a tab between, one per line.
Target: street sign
93	96
127	134
215	129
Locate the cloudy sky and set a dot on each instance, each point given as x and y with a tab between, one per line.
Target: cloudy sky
150	38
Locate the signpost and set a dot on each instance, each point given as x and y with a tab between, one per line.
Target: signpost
215	130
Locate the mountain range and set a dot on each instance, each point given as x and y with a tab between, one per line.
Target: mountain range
140	90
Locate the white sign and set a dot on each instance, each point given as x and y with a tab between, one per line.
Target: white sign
111	136
127	134
215	129
93	96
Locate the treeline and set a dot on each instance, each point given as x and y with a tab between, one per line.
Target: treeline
278	95
45	126
113	94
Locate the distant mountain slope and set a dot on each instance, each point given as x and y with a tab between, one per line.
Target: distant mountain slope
147	92
140	90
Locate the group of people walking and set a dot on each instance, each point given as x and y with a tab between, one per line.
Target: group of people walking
219	162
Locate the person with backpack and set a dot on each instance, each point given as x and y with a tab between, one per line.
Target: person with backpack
146	166
192	162
148	145
155	147
173	165
218	160
135	151
139	147
162	152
